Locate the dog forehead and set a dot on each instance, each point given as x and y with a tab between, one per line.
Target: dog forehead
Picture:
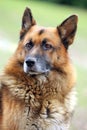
39	33
41	29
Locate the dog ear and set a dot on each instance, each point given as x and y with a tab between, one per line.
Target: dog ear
67	30
27	22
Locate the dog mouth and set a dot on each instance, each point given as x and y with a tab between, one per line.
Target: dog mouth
33	73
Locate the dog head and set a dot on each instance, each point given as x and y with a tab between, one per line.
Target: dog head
44	49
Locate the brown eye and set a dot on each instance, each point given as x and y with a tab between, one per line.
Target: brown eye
29	45
45	45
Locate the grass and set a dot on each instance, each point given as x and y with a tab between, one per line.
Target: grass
81	86
46	14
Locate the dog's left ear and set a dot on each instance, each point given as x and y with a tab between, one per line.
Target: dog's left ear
67	30
27	22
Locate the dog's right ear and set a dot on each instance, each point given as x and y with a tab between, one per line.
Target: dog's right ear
27	22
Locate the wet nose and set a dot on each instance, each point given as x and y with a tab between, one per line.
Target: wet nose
30	62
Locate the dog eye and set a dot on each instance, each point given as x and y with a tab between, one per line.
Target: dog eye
29	45
46	46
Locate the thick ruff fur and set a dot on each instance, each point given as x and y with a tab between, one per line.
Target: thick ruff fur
40	98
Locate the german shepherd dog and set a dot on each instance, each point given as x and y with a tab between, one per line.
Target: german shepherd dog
37	85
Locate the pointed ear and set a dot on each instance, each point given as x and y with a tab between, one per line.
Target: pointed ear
67	30
27	22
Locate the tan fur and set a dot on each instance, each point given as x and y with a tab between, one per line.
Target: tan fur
44	102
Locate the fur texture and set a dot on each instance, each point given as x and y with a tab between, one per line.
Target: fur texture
39	95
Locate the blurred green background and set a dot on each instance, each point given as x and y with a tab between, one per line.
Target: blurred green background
49	13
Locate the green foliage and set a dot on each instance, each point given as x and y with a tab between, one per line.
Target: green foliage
78	3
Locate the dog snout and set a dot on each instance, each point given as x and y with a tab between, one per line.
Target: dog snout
30	62
36	64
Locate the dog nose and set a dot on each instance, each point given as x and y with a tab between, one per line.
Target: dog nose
30	62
